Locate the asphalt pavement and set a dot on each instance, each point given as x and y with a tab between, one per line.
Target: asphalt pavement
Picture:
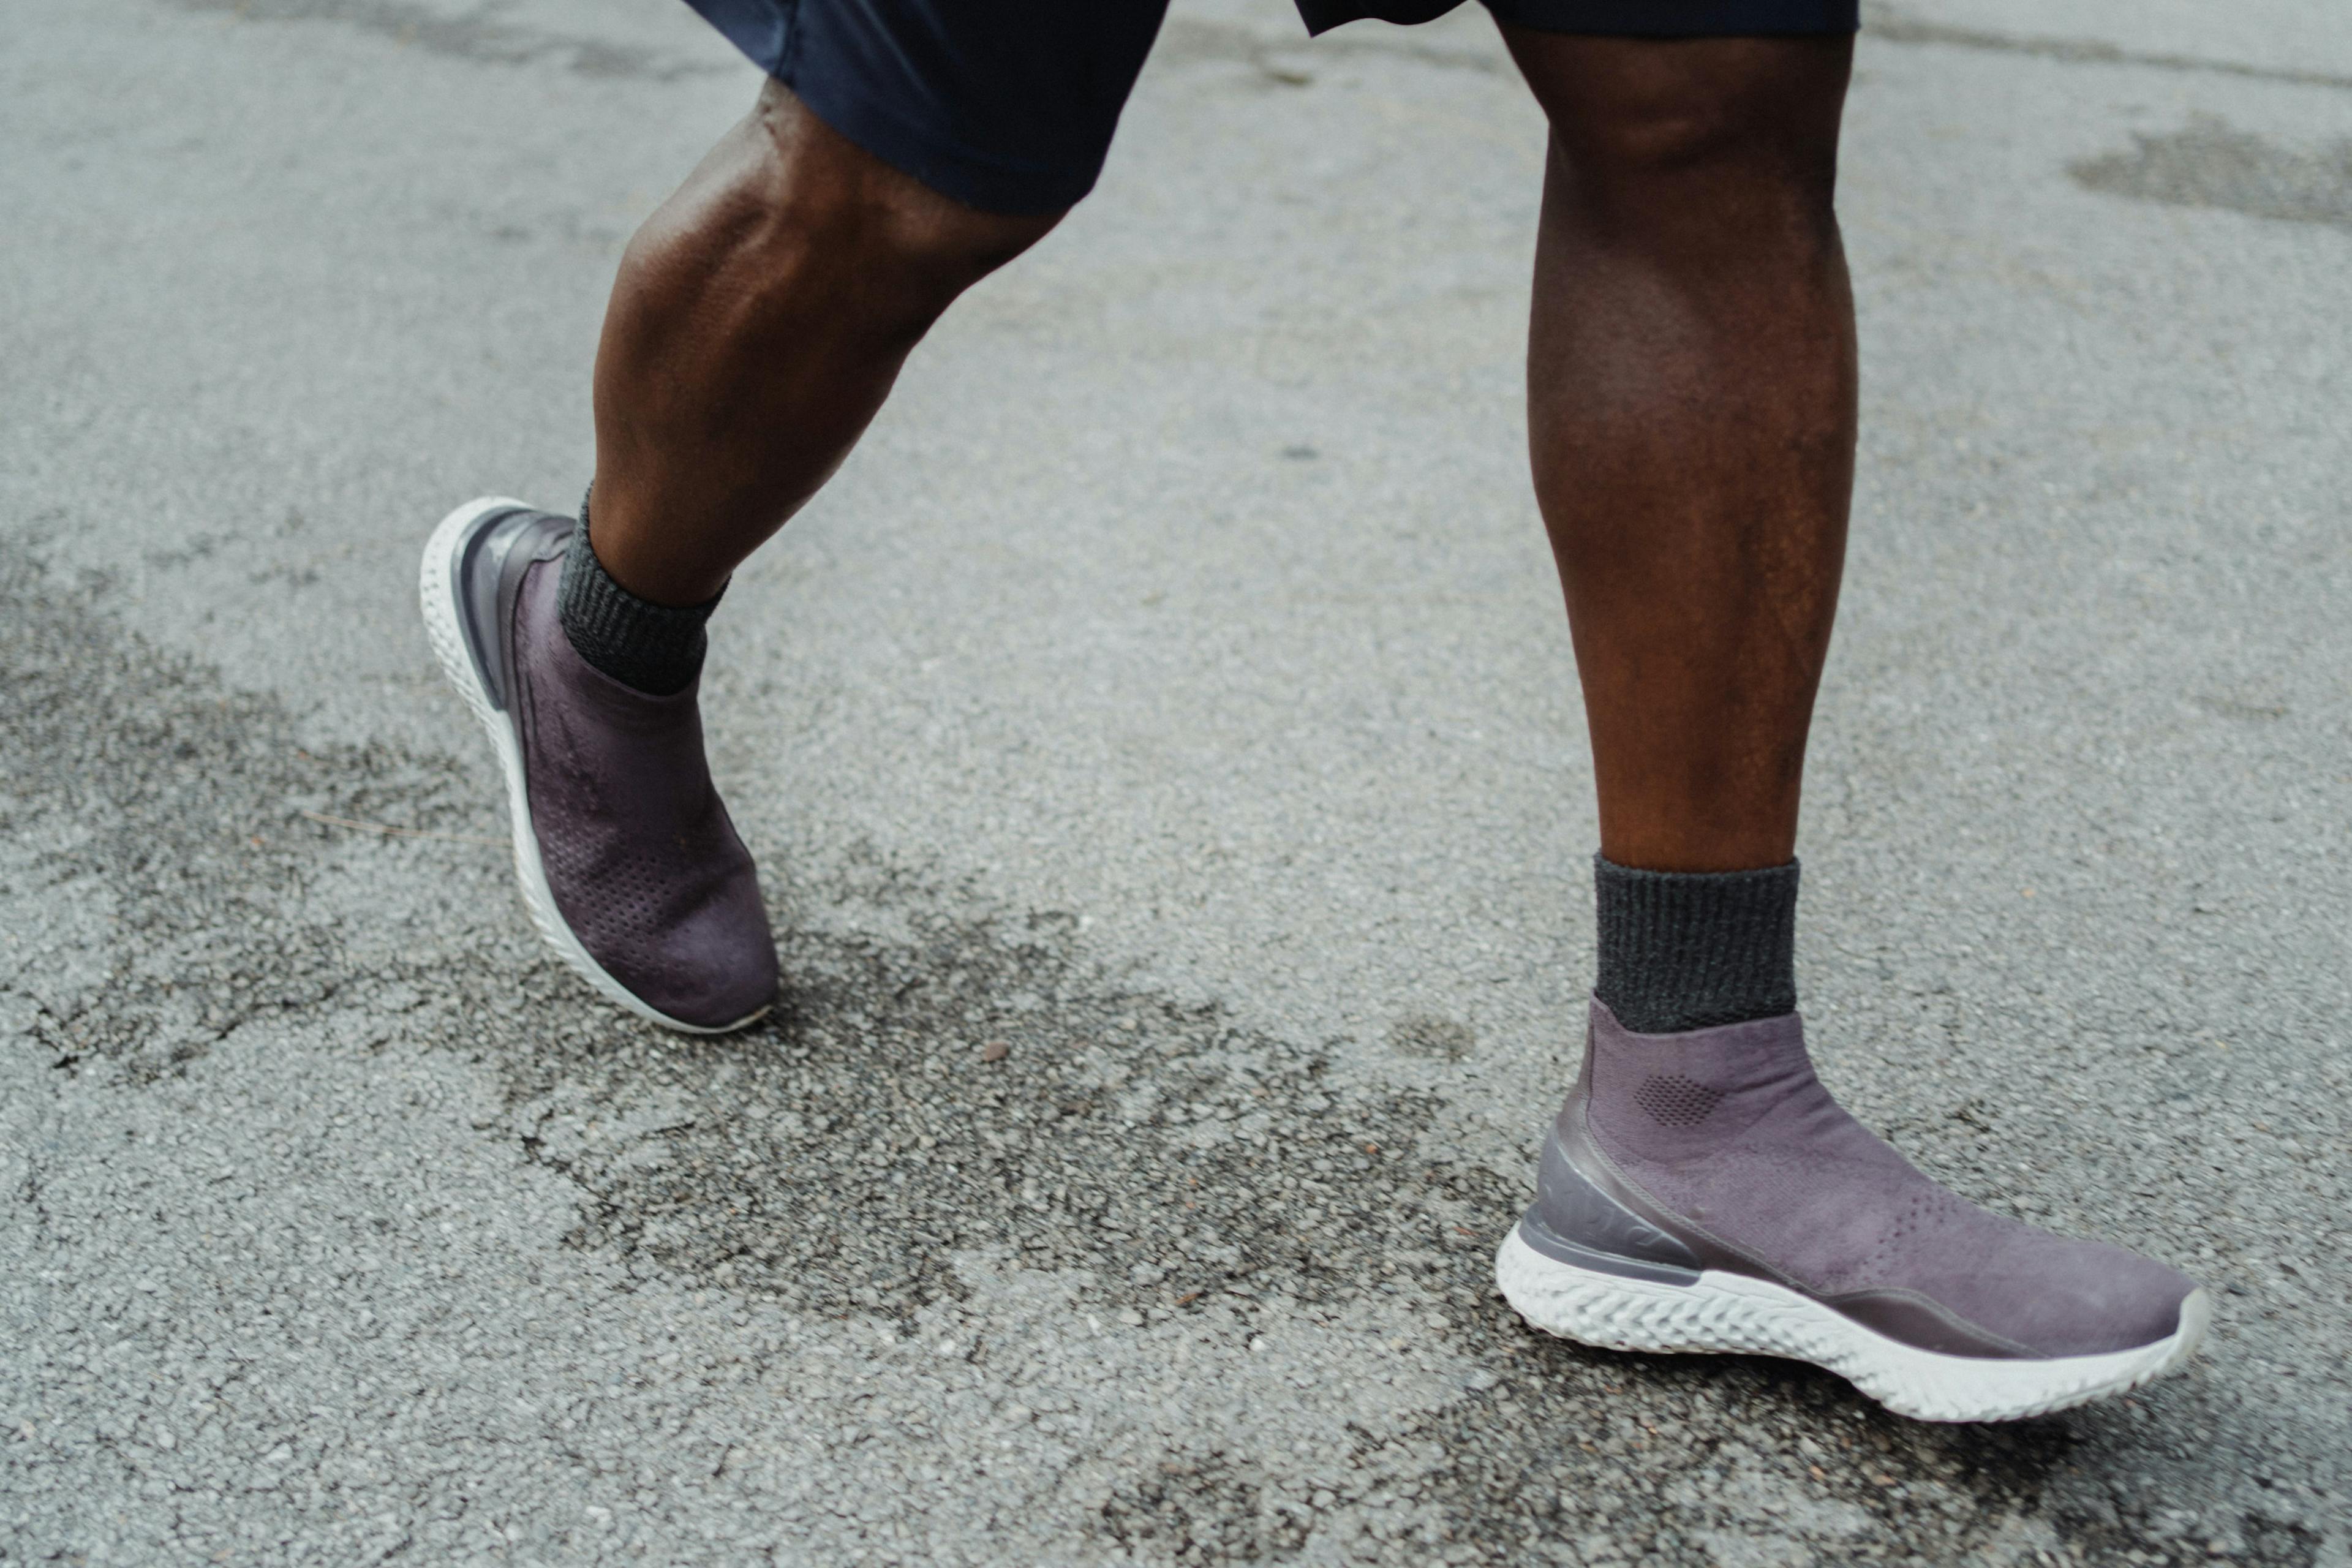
1171	690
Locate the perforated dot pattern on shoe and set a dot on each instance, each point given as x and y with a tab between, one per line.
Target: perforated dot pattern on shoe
630	898
1926	1213
1674	1100
627	878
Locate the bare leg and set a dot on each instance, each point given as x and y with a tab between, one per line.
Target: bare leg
1690	382
1691	411
759	321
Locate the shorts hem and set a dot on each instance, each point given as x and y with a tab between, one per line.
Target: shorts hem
771	34
953	171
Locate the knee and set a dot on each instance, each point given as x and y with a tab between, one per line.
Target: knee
800	216
833	205
1739	126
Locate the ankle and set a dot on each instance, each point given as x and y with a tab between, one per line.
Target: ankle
653	648
1684	950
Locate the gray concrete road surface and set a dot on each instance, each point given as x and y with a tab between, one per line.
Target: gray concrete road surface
1173	689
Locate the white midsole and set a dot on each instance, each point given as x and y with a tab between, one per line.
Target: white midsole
436	597
1733	1313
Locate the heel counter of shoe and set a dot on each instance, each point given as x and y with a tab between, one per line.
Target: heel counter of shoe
1575	1221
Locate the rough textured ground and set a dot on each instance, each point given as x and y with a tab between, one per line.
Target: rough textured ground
1172	690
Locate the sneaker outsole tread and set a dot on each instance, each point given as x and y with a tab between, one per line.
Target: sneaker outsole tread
1732	1314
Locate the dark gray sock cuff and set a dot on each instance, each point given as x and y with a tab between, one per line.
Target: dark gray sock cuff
655	648
1690	950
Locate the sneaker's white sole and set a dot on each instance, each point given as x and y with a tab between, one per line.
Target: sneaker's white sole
1731	1313
435	595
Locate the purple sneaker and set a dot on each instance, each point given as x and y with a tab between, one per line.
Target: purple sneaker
1702	1192
628	864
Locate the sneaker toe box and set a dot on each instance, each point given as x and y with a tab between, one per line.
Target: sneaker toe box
712	968
2085	1298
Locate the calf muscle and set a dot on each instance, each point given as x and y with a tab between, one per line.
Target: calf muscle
1691	413
759	321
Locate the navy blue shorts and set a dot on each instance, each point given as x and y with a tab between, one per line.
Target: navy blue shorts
1009	105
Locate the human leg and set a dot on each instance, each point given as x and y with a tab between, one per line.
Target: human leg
760	318
903	150
1691	400
758	321
1691	413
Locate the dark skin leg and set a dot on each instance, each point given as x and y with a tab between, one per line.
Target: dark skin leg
1691	411
760	318
1691	390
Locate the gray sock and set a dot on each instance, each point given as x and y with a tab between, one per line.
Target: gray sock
1690	950
653	647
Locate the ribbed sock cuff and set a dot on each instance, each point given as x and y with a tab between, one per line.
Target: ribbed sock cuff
655	648
1691	950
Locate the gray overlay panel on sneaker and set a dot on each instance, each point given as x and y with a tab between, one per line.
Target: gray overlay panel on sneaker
477	568
1573	1221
